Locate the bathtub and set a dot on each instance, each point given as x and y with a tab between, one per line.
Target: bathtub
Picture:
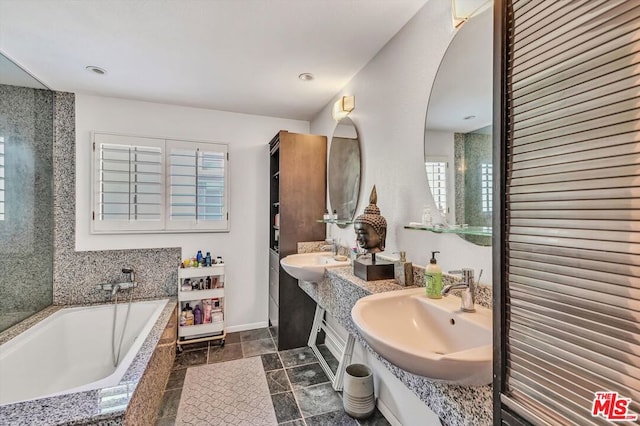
70	351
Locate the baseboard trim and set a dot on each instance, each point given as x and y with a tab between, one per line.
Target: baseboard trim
244	327
387	413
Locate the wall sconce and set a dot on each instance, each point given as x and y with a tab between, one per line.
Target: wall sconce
343	107
462	10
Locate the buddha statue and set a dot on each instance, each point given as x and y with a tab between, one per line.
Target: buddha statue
371	227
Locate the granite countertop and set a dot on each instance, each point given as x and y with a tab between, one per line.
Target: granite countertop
106	405
455	405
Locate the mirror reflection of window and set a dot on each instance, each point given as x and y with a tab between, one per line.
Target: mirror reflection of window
486	173
436	168
1	177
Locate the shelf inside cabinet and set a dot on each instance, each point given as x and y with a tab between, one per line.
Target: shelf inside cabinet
484	231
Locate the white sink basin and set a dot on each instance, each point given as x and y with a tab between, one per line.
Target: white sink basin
428	337
310	266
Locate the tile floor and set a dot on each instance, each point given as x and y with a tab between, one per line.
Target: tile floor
300	390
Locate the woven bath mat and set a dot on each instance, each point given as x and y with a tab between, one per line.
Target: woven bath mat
227	393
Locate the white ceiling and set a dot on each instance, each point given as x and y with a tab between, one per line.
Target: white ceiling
232	55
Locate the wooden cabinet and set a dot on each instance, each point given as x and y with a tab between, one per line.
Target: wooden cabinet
298	176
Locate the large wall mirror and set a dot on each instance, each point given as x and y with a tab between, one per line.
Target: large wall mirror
457	139
344	171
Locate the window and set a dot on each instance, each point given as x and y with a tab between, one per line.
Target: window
197	185
1	178
157	185
437	177
486	174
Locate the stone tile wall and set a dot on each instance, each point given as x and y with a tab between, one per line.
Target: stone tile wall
76	274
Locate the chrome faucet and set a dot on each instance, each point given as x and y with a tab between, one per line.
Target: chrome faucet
468	298
332	247
115	287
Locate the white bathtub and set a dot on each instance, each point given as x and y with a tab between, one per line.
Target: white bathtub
70	351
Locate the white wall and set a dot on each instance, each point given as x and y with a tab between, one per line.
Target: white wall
245	247
391	101
391	93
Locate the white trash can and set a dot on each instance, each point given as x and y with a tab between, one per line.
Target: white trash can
357	394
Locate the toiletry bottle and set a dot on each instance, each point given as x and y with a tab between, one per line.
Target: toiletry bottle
194	285
326	216
335	215
207	311
197	315
403	270
199	256
188	315
426	217
186	284
433	278
201	284
208	259
207	283
183	318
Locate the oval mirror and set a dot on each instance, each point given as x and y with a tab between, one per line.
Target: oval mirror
344	171
458	146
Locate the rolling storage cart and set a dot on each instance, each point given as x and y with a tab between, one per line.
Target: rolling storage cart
207	288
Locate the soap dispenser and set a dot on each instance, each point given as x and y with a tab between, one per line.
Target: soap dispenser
433	278
403	270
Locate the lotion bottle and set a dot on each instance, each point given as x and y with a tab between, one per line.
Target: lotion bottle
433	278
197	315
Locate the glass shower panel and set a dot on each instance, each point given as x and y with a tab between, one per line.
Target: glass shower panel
26	195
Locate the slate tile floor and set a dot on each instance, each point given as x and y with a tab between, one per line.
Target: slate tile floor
300	390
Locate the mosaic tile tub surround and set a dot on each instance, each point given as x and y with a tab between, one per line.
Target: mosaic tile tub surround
26	219
149	369
76	274
75	279
455	405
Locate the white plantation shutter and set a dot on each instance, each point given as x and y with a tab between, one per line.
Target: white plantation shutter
197	185
129	183
155	185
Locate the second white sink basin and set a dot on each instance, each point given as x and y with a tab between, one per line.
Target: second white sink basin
310	266
428	337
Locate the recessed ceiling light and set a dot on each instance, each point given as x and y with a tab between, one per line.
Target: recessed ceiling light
306	76
469	117
96	70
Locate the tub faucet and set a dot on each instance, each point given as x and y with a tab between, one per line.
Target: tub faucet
468	284
115	287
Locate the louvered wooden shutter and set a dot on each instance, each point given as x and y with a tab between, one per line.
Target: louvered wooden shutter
571	242
197	176
129	183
